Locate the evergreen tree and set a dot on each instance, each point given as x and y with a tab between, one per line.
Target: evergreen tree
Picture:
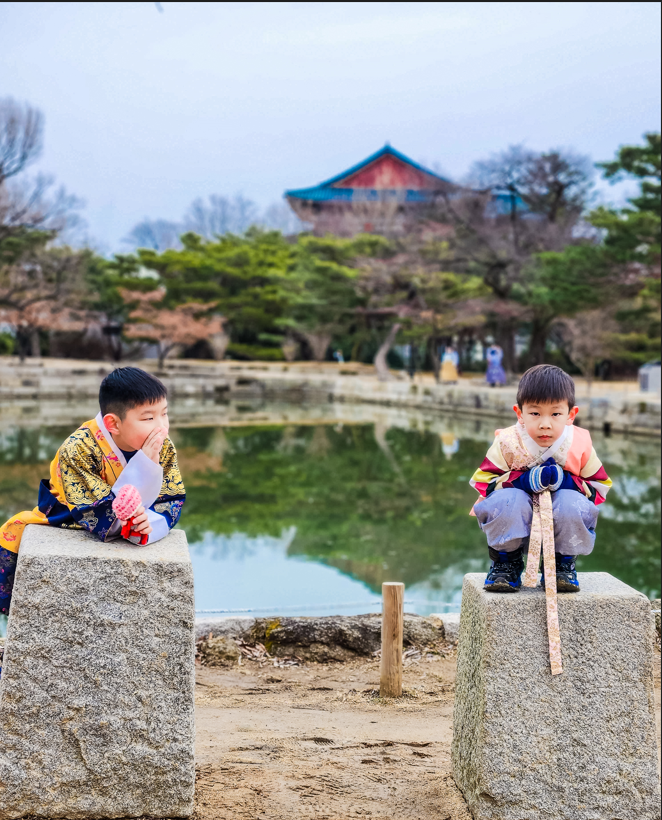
324	293
247	278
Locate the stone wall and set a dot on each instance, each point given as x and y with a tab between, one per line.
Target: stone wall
612	408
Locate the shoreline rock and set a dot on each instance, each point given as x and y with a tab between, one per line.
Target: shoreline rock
319	639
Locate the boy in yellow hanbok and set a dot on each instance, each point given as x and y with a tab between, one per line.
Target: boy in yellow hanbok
127	443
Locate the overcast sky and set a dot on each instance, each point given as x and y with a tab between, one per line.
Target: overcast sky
146	110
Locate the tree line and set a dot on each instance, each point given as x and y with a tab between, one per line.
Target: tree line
521	253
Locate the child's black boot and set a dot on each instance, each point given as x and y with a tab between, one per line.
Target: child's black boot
566	575
505	572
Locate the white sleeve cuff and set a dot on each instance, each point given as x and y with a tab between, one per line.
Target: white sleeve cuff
146	477
159	525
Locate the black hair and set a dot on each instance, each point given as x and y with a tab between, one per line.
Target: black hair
545	383
129	387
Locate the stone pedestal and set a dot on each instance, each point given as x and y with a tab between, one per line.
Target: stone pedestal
576	746
97	689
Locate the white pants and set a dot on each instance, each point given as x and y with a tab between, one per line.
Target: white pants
505	518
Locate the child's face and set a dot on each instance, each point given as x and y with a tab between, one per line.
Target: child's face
130	432
545	422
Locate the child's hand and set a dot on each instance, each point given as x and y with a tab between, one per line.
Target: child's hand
550	474
153	443
140	522
545	477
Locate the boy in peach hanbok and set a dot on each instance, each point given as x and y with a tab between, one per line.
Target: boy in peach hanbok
540	485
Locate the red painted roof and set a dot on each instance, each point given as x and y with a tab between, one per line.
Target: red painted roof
388	172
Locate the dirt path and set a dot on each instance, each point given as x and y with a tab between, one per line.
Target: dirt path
315	742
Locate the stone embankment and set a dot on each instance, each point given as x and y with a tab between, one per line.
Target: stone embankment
329	638
220	640
611	406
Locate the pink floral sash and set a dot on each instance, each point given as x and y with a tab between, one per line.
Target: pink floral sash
542	532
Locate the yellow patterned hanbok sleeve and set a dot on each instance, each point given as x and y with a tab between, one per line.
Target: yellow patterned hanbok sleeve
87	495
172	496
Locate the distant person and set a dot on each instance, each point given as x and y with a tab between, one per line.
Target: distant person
495	372
450	444
412	361
449	364
541	465
127	443
338	356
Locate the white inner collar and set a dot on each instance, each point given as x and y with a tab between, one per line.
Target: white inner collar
109	439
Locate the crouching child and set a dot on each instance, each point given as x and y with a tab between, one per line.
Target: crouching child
544	450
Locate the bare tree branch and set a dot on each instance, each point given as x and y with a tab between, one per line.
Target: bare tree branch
21	136
32	204
220	215
156	234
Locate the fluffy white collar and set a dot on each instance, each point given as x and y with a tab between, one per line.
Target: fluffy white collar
543	453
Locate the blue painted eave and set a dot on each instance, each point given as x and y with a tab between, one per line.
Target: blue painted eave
321	194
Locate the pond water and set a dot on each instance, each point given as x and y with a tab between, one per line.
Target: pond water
307	510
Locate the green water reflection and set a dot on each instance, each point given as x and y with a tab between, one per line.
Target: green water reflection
395	509
386	500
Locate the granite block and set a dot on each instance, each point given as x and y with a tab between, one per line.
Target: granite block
97	689
577	746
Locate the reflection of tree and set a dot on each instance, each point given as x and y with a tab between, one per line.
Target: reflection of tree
24	446
25	456
381	429
349	511
319	444
18	485
288	440
628	541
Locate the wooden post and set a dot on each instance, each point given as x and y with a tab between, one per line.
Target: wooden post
393	596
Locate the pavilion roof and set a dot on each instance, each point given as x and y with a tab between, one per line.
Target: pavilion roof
419	182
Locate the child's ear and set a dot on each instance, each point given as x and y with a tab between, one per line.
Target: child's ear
110	420
571	417
516	408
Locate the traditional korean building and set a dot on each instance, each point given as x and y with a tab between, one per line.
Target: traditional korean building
387	193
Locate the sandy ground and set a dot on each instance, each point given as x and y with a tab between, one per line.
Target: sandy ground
317	742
